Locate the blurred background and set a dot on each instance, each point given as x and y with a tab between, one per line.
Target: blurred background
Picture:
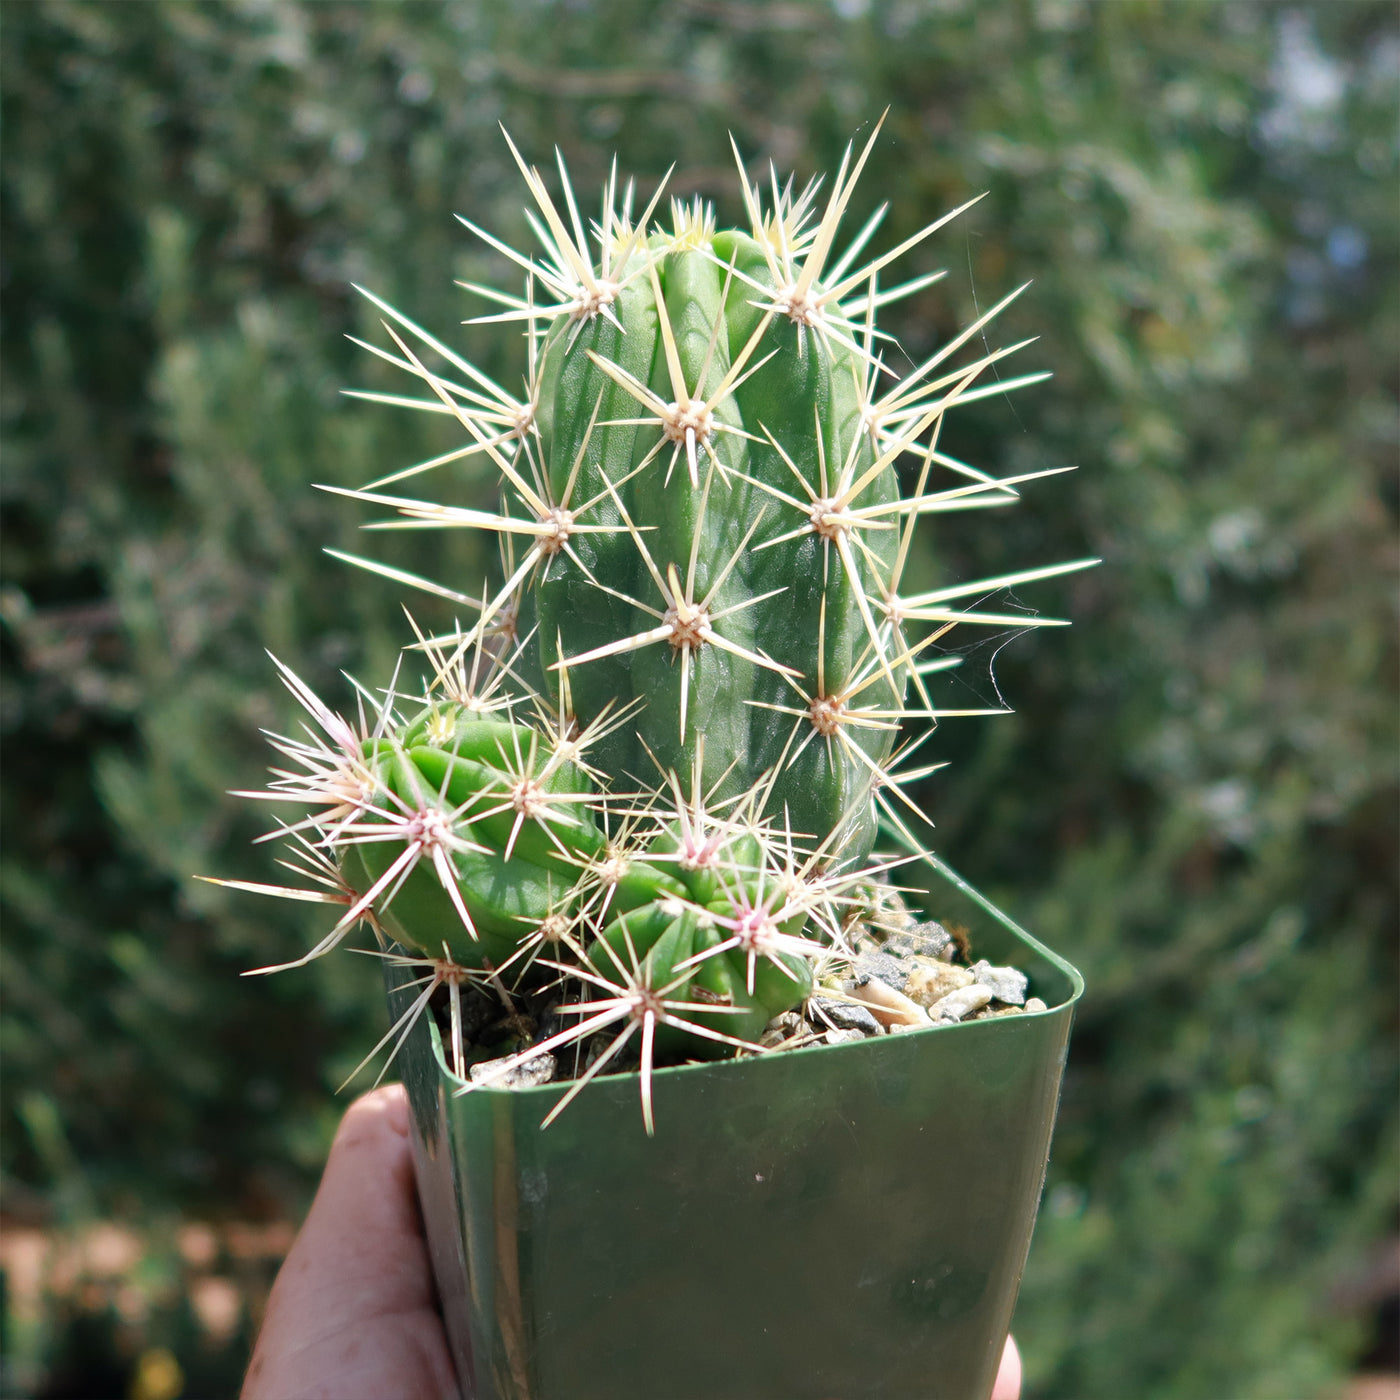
1195	801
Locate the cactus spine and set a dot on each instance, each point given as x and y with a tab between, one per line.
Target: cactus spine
652	771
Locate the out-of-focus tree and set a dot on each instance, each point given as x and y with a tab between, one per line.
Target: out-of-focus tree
1196	797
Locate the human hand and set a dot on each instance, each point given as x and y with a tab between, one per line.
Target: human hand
351	1316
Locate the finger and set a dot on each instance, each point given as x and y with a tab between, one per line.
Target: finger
351	1313
1008	1385
363	1233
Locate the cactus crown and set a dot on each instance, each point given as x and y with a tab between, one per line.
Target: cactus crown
651	772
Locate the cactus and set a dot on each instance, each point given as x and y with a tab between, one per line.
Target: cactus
648	777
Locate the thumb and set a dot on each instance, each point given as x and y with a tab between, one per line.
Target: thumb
351	1313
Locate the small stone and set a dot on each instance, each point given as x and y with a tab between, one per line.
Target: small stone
1007	984
899	945
889	1006
846	1016
960	1003
783	1028
840	1037
932	940
1035	1004
931	981
539	1070
882	965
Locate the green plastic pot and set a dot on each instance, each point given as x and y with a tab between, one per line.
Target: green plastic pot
839	1223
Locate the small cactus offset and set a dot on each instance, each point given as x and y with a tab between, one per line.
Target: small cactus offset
634	797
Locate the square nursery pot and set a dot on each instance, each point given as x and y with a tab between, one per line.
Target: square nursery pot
837	1223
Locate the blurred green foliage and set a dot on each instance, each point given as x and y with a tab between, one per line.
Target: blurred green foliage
1196	799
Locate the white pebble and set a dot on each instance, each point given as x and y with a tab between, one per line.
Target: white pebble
960	1003
1007	984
